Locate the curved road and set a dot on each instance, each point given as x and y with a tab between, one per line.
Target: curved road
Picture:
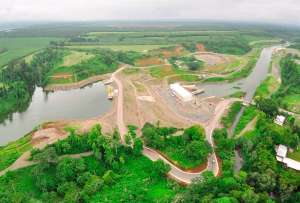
176	173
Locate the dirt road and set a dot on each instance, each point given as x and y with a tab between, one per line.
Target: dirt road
120	117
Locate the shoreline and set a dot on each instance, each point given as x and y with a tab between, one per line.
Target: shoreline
77	85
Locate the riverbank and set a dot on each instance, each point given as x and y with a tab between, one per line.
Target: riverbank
77	85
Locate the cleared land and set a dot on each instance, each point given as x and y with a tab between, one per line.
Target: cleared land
75	57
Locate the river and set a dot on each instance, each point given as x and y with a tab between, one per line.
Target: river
88	102
248	85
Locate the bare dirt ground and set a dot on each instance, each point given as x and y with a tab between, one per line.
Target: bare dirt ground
62	76
211	59
149	61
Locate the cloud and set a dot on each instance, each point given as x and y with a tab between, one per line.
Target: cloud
243	10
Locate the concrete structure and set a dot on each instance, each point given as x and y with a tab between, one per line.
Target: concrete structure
279	120
281	152
179	91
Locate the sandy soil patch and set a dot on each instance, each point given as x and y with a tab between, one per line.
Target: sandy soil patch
177	51
200	47
150	61
212	59
62	76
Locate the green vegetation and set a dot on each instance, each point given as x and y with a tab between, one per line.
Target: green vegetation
191	62
267	87
288	93
75	57
19	47
225	150
113	169
248	115
295	154
243	72
11	152
136	48
291	103
261	174
188	150
227	120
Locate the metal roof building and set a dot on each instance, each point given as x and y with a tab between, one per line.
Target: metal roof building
181	92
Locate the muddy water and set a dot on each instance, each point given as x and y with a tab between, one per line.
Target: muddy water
248	85
87	102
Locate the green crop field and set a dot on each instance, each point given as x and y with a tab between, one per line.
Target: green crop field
138	48
20	47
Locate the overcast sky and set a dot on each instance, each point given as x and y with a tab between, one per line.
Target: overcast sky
282	11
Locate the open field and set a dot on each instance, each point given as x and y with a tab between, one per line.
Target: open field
75	57
292	102
138	48
20	47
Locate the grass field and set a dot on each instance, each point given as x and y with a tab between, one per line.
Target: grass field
163	71
13	151
20	47
267	87
295	155
292	103
75	57
248	115
138	48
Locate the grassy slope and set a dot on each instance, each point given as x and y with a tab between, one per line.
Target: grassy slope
267	87
13	151
75	57
248	115
19	47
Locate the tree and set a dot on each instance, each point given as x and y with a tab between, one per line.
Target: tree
137	146
68	169
198	150
159	169
268	106
47	157
195	132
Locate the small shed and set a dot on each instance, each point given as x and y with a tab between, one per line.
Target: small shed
279	120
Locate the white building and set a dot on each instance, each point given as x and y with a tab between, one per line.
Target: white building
281	152
181	92
279	120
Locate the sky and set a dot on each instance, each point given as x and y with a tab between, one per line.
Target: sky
277	11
